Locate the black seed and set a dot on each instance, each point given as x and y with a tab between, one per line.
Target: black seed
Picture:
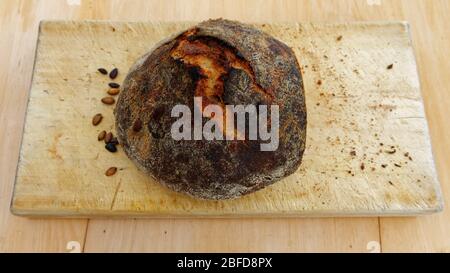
103	71
113	73
114	85
111	147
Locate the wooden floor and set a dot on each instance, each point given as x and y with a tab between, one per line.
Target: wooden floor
19	23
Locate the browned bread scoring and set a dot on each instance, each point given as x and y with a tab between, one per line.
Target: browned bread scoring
225	63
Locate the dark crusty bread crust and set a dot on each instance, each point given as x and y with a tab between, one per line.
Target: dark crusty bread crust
258	70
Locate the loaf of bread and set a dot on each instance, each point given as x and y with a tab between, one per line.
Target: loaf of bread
224	63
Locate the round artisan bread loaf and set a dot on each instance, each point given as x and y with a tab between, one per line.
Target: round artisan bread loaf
224	63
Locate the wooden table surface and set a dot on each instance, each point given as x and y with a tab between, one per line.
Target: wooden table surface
18	32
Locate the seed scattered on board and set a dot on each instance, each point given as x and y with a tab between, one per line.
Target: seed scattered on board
113	91
97	119
111	147
111	171
103	71
113	74
114	85
101	135
108	137
108	100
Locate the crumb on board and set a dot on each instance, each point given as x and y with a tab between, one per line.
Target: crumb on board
392	151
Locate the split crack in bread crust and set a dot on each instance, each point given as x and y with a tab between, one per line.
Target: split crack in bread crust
224	62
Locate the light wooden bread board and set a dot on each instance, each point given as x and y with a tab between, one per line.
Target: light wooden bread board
368	150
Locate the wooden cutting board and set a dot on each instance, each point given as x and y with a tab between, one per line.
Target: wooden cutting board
368	148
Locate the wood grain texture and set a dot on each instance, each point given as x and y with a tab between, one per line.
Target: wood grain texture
232	235
17	43
360	113
19	22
